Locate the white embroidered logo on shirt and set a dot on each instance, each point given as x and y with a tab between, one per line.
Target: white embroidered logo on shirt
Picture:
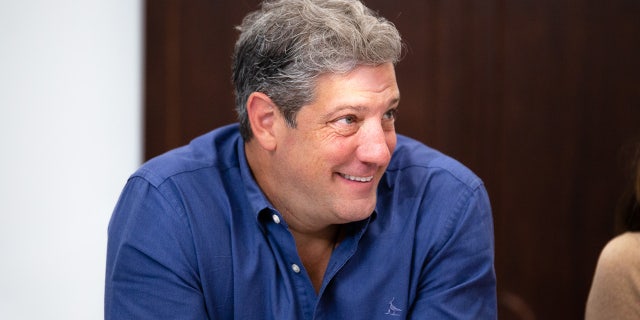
393	310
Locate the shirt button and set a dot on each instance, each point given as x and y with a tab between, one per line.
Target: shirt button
295	268
275	218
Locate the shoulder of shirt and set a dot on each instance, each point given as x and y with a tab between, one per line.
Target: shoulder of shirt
411	154
213	150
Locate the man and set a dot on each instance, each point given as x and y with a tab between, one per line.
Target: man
311	207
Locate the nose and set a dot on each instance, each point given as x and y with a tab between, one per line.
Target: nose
375	144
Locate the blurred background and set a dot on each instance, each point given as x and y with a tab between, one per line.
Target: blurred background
540	98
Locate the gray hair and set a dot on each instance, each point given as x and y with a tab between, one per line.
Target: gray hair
286	44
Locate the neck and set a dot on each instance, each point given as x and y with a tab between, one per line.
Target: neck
327	237
315	251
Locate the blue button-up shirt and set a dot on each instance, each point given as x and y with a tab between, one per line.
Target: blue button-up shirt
193	237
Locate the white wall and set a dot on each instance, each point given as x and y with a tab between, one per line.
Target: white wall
70	134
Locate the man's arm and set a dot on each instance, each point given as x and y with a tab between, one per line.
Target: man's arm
151	262
459	280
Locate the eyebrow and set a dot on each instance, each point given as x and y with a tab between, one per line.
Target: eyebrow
393	103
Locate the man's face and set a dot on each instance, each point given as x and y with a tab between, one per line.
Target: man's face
328	168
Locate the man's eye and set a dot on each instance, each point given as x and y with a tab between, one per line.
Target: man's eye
391	114
348	119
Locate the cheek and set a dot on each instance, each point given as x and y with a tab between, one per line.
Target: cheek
339	151
324	149
392	139
304	155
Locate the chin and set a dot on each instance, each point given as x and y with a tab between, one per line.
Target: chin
358	212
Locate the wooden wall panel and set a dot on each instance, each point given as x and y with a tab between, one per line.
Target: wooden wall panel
540	98
188	69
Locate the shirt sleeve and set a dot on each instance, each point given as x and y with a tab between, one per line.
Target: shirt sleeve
151	270
458	280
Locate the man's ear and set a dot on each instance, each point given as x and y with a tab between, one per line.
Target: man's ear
262	113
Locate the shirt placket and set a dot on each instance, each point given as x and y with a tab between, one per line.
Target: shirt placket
341	255
289	262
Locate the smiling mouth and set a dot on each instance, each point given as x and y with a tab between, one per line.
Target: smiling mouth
355	178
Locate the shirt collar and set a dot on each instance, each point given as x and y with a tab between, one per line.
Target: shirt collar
257	200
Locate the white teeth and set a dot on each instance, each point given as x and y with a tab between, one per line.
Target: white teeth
359	179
